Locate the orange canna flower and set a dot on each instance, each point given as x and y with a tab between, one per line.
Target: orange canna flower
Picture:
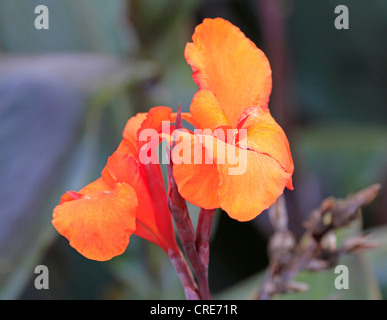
129	198
234	79
98	220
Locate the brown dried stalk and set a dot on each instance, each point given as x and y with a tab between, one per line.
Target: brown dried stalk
316	250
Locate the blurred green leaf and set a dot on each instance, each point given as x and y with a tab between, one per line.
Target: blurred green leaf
244	290
145	272
362	282
55	135
344	157
40	118
378	256
87	25
164	29
339	72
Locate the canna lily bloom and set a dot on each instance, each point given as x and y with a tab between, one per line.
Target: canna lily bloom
129	198
234	79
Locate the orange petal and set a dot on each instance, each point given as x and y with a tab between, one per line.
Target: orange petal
206	111
121	167
244	196
99	224
224	61
155	118
98	185
128	148
196	180
130	134
153	224
157	121
265	136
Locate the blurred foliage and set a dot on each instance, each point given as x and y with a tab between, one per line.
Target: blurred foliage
88	25
103	61
340	73
362	281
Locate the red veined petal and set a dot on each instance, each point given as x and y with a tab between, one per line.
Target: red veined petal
265	136
244	196
163	216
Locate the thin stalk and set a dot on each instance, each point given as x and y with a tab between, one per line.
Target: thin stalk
186	233
184	227
185	275
203	232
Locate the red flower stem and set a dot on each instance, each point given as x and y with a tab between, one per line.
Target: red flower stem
185	275
185	230
203	232
184	227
